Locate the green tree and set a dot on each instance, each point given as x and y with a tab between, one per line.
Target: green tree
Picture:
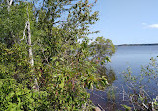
61	64
102	49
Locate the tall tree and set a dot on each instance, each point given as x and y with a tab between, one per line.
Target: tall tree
57	59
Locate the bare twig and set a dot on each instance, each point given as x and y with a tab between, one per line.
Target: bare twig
98	95
146	94
144	105
132	103
101	108
123	93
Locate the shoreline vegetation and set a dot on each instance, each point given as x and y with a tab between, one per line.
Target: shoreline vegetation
138	44
46	61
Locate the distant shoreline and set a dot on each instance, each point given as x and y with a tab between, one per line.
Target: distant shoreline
137	44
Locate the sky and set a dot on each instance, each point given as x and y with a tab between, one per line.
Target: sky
127	21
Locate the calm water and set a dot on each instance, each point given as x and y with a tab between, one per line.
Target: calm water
134	57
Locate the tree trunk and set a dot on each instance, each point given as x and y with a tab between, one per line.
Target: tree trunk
36	87
9	4
29	44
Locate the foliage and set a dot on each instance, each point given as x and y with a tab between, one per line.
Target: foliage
16	97
102	49
139	96
127	107
63	67
12	23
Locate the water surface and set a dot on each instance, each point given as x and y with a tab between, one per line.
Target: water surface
126	56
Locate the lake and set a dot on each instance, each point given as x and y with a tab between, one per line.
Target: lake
133	57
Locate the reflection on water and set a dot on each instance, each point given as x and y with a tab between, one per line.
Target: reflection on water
117	94
108	73
106	97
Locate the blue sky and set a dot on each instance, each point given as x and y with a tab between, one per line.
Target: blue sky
127	21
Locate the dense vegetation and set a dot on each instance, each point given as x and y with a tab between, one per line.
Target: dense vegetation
47	60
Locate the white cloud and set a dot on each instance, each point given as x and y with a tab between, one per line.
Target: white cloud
144	23
153	26
150	26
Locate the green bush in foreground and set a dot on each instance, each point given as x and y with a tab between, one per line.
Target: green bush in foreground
64	62
15	97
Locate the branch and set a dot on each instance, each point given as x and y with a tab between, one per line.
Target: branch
9	4
24	36
92	3
123	93
101	108
11	1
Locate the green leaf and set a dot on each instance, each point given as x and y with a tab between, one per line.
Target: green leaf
127	107
54	58
56	63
